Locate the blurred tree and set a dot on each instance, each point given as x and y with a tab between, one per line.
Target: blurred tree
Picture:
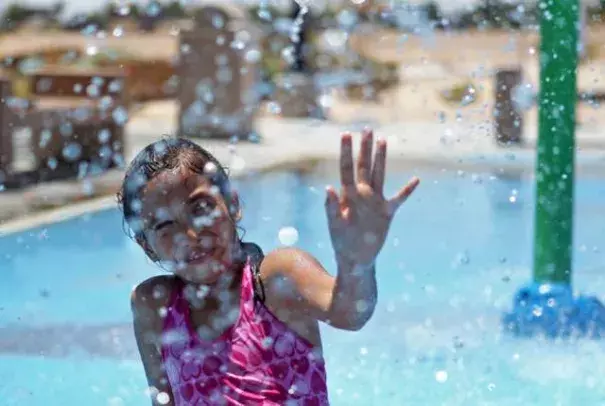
433	11
57	9
174	9
99	19
15	14
112	10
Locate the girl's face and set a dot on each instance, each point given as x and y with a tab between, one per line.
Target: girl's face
189	226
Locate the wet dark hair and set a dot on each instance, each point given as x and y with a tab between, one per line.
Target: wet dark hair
156	158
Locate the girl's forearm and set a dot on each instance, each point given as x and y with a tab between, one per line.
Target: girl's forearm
354	296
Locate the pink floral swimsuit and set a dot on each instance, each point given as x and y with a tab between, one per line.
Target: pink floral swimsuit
257	361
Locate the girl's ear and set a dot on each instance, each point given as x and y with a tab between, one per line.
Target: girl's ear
235	209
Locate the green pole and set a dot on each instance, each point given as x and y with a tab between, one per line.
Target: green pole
556	145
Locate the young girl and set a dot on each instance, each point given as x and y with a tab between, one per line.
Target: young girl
229	325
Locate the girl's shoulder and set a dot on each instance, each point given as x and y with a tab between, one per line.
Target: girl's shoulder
153	293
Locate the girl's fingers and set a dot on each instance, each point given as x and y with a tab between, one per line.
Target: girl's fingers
332	203
379	168
364	162
402	195
347	175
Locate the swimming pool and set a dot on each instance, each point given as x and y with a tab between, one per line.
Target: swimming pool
454	257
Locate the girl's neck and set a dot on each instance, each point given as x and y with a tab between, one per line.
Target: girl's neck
222	294
228	281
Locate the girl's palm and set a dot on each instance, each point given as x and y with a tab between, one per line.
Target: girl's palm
359	218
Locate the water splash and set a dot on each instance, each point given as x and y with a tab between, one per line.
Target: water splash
298	20
441	376
288	236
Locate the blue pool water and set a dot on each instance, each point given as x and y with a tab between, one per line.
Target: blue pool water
454	257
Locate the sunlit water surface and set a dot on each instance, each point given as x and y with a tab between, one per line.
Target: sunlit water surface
454	257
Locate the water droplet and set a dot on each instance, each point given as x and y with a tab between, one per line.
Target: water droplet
523	96
370	238
202	292
274	108
288	236
363	351
238	45
254	138
104	136
224	75
115	86
441	376
92	50
45	136
267	342
124	10
120	115
210	168
477	179
287	55
89	30
253	56
163	398
463	258
93	91
218	21
361	306
115	401
537	311
153	9
52	163
491	386
72	151
347	19
264	14
105	153
88	188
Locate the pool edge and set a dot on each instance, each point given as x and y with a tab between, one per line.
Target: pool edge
56	215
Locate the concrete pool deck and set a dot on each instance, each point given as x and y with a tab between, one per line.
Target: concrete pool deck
297	144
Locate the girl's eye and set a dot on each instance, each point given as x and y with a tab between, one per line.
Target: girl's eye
202	208
163	225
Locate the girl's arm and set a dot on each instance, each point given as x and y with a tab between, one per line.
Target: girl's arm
148	330
296	281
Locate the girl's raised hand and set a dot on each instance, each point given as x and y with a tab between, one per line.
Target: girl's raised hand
359	217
